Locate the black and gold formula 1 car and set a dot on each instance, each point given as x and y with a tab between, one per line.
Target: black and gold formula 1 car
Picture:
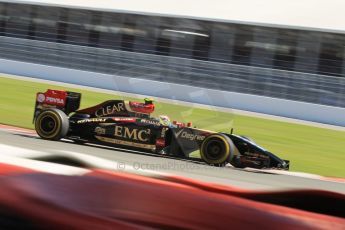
129	125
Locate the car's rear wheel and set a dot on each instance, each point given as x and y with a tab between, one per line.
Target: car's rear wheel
52	124
217	149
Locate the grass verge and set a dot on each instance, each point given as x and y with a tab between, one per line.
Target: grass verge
310	149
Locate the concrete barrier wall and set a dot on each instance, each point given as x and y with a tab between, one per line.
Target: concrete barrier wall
266	105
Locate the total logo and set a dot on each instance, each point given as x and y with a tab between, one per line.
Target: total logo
55	100
41	98
189	136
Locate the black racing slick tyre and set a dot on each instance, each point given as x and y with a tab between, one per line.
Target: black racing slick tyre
52	124
217	149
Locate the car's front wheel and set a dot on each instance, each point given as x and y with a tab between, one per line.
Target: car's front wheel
52	124
217	149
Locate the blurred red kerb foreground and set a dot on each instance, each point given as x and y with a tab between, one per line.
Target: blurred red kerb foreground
108	200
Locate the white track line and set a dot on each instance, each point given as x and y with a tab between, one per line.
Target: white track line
297	174
12	151
23	157
97	162
288	173
19	157
14	130
43	166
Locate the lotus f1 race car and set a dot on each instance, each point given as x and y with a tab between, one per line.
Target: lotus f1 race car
129	125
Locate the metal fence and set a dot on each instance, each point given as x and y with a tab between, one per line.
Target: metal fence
319	89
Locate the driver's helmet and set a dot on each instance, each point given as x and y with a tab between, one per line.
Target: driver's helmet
148	101
164	120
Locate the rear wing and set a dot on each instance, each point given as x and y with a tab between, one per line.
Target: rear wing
66	101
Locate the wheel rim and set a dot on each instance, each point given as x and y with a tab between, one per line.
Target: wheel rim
48	124
214	149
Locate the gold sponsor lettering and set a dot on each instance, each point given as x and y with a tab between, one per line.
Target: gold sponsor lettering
118	131
126	143
109	110
120	107
141	133
132	134
100	131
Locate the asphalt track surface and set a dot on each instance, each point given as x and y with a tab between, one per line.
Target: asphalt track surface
124	159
